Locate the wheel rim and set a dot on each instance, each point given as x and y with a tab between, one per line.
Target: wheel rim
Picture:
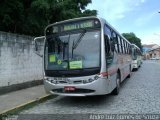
118	83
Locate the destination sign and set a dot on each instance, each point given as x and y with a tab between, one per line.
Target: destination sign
78	25
73	25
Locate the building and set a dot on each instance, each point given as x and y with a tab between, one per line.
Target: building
154	53
151	51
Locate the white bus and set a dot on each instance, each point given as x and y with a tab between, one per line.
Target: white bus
136	57
84	57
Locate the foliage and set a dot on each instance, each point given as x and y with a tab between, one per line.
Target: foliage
131	37
32	16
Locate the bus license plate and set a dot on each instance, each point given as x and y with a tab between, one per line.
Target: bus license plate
69	88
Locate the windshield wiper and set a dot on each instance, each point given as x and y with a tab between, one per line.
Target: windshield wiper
64	48
74	45
78	40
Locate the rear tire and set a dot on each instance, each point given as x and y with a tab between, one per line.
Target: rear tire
118	81
136	69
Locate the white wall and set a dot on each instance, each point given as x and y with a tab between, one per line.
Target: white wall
18	62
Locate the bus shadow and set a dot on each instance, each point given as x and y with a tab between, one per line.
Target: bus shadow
88	101
124	82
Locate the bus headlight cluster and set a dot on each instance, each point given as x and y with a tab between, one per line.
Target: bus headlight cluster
96	77
90	79
54	81
51	80
45	78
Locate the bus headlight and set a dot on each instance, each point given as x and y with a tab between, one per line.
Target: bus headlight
51	80
91	79
45	78
54	81
96	77
88	80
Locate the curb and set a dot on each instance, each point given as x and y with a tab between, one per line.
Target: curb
16	109
19	86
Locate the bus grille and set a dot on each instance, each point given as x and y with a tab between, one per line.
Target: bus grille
60	90
70	82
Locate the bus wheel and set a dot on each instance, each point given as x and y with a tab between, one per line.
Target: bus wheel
116	90
130	72
136	69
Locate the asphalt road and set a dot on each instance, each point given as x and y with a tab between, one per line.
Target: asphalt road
139	94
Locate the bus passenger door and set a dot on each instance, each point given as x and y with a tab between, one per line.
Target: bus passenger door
109	55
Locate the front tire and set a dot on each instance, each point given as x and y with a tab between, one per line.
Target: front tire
118	81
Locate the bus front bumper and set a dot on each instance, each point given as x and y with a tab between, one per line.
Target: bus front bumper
98	87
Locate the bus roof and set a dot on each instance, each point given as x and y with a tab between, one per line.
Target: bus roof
135	46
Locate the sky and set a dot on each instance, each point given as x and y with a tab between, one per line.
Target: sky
138	16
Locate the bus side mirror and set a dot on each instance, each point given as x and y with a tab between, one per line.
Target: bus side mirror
38	45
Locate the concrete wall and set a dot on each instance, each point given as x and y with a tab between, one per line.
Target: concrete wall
18	62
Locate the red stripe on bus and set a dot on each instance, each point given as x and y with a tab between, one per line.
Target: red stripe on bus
104	74
109	73
112	71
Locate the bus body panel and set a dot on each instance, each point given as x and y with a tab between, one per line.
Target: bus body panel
102	84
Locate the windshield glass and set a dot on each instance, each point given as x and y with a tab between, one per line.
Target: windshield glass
73	51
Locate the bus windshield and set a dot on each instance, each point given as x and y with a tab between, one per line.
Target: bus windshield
75	50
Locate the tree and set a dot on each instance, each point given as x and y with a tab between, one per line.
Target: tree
11	15
131	37
32	16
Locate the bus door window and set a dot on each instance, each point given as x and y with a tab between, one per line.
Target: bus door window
107	38
115	41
